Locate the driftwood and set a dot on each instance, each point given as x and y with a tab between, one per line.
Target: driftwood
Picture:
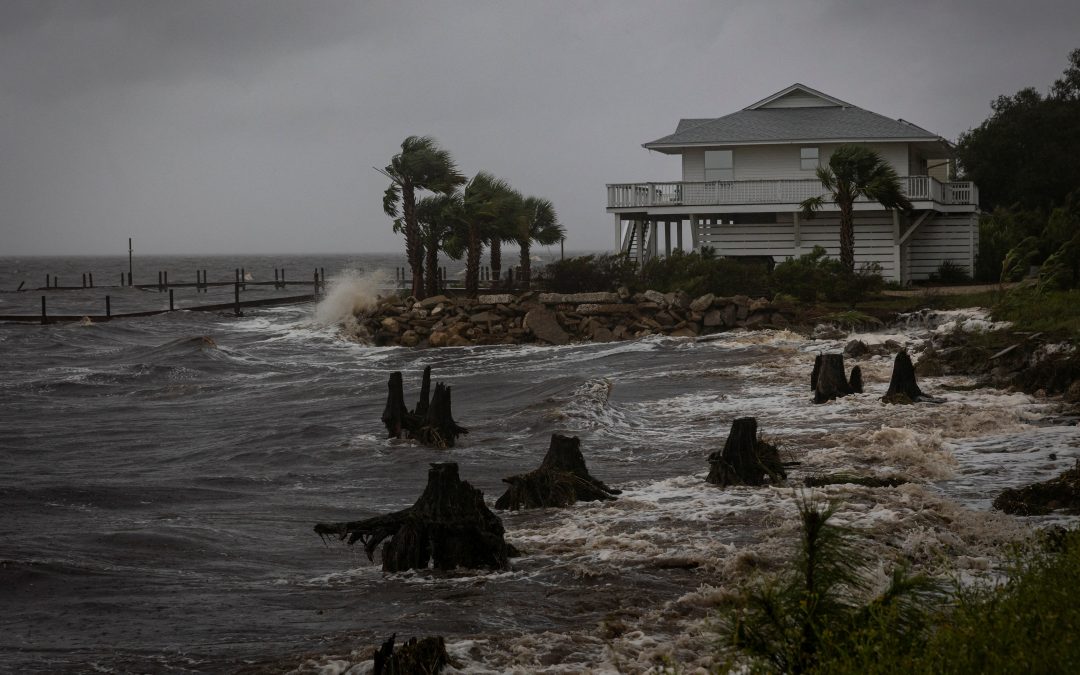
902	386
424	657
431	422
746	459
561	480
828	381
449	526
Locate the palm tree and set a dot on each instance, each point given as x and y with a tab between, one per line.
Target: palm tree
855	171
421	165
540	224
487	203
438	216
503	228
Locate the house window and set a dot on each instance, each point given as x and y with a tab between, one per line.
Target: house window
718	165
808	159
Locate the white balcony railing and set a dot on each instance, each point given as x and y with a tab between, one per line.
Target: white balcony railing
716	193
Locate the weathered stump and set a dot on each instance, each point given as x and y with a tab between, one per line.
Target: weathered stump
449	526
855	380
828	380
902	386
431	422
415	657
746	459
561	480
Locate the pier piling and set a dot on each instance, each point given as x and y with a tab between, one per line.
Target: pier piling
171	305
108	305
236	295
44	317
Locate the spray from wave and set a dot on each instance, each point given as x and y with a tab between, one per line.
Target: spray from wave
350	292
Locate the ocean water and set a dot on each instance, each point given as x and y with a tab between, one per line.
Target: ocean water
160	477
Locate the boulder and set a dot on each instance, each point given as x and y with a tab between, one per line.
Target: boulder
458	341
713	318
593	309
486	317
678	299
685	331
438	339
428	303
545	326
500	299
390	325
855	348
578	298
409	339
655	296
703	303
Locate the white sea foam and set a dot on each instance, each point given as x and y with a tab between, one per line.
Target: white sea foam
349	293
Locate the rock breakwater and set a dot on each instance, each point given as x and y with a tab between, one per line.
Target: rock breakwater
558	318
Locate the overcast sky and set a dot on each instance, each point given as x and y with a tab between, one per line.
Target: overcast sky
252	126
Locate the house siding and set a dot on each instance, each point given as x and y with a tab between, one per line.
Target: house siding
943	237
798	99
774	162
874	238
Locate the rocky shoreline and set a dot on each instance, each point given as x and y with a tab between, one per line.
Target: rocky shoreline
558	318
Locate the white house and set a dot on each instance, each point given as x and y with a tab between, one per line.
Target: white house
744	175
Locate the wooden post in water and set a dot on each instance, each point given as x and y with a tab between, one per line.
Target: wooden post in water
130	283
204	284
121	280
130	250
237	275
283	277
48	280
166	278
171	306
91	275
108	304
44	318
243	277
236	295
159	281
84	279
276	279
322	278
316	286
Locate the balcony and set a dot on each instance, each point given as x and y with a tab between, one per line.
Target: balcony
765	192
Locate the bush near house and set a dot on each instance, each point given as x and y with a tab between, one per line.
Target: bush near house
814	276
583	274
703	272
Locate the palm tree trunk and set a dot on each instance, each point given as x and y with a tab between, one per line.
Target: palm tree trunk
414	247
847	235
431	271
472	263
495	254
526	265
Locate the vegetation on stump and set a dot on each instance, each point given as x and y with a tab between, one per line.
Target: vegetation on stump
562	479
449	526
431	422
746	459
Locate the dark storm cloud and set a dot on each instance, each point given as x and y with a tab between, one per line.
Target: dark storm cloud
232	126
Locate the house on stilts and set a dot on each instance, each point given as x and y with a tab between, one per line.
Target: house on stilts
745	174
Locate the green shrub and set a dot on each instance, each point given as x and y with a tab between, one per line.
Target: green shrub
582	274
949	272
700	273
814	276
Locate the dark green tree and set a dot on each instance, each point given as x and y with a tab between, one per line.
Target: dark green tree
439	217
537	223
488	204
855	171
1025	152
421	165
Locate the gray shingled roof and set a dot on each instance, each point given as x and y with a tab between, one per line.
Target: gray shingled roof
791	124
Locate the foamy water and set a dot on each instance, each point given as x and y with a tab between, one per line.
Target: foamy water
162	519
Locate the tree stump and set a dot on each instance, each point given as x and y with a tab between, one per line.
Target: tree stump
427	657
431	422
828	380
902	386
746	459
449	526
561	480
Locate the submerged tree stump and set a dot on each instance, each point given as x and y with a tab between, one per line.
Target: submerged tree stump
561	480
427	656
449	526
828	380
746	459
431	422
902	386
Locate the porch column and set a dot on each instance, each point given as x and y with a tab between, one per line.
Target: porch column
667	238
694	231
797	232
639	236
678	233
654	241
618	233
898	269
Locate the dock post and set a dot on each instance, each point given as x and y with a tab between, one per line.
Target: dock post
166	273
56	281
322	278
171	306
236	295
84	279
159	281
121	280
283	277
243	277
316	286
108	305
275	279
129	279
44	318
204	283
91	275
